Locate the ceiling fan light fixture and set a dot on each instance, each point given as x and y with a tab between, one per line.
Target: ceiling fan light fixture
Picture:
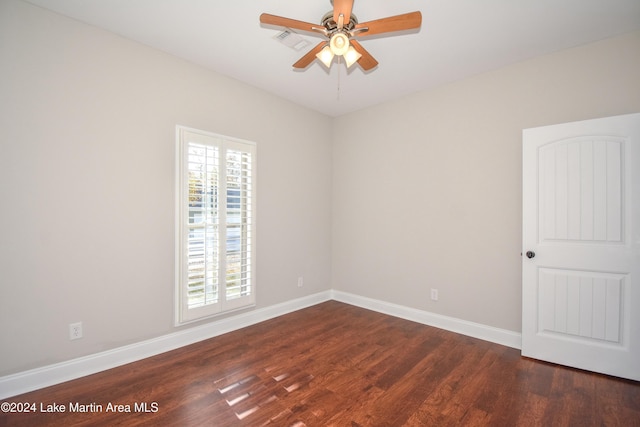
352	56
325	56
342	28
339	43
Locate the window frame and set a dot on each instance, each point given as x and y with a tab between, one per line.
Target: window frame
186	136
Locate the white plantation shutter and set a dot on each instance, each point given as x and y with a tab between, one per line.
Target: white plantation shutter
202	225
239	220
215	231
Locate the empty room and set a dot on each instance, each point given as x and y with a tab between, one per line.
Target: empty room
320	213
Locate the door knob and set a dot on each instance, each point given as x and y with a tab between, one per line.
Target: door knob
530	254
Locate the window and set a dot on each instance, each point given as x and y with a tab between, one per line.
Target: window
215	224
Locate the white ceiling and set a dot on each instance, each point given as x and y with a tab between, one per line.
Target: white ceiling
458	38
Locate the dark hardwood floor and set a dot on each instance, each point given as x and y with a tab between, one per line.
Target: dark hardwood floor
338	365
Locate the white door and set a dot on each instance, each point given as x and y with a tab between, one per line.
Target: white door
581	245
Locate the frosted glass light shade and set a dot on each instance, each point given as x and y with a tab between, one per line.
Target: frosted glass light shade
339	43
352	56
326	56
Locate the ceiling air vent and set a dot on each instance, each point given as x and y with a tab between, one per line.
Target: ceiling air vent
292	40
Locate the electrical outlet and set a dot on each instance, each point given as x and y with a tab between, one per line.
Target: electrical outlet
300	281
434	294
75	331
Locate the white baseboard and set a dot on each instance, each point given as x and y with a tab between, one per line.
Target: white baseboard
34	379
464	327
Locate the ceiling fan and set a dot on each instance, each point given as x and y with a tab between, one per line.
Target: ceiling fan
341	27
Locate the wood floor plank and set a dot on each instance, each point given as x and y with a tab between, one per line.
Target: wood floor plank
466	384
338	365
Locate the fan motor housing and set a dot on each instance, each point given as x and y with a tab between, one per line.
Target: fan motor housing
331	25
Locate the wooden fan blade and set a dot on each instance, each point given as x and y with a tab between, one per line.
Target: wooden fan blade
343	7
366	61
406	21
266	18
310	56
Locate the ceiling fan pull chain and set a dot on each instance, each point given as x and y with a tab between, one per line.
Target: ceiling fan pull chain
339	68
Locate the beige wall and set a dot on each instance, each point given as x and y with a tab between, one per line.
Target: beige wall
427	192
87	125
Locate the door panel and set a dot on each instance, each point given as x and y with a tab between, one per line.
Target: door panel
581	194
581	218
584	304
